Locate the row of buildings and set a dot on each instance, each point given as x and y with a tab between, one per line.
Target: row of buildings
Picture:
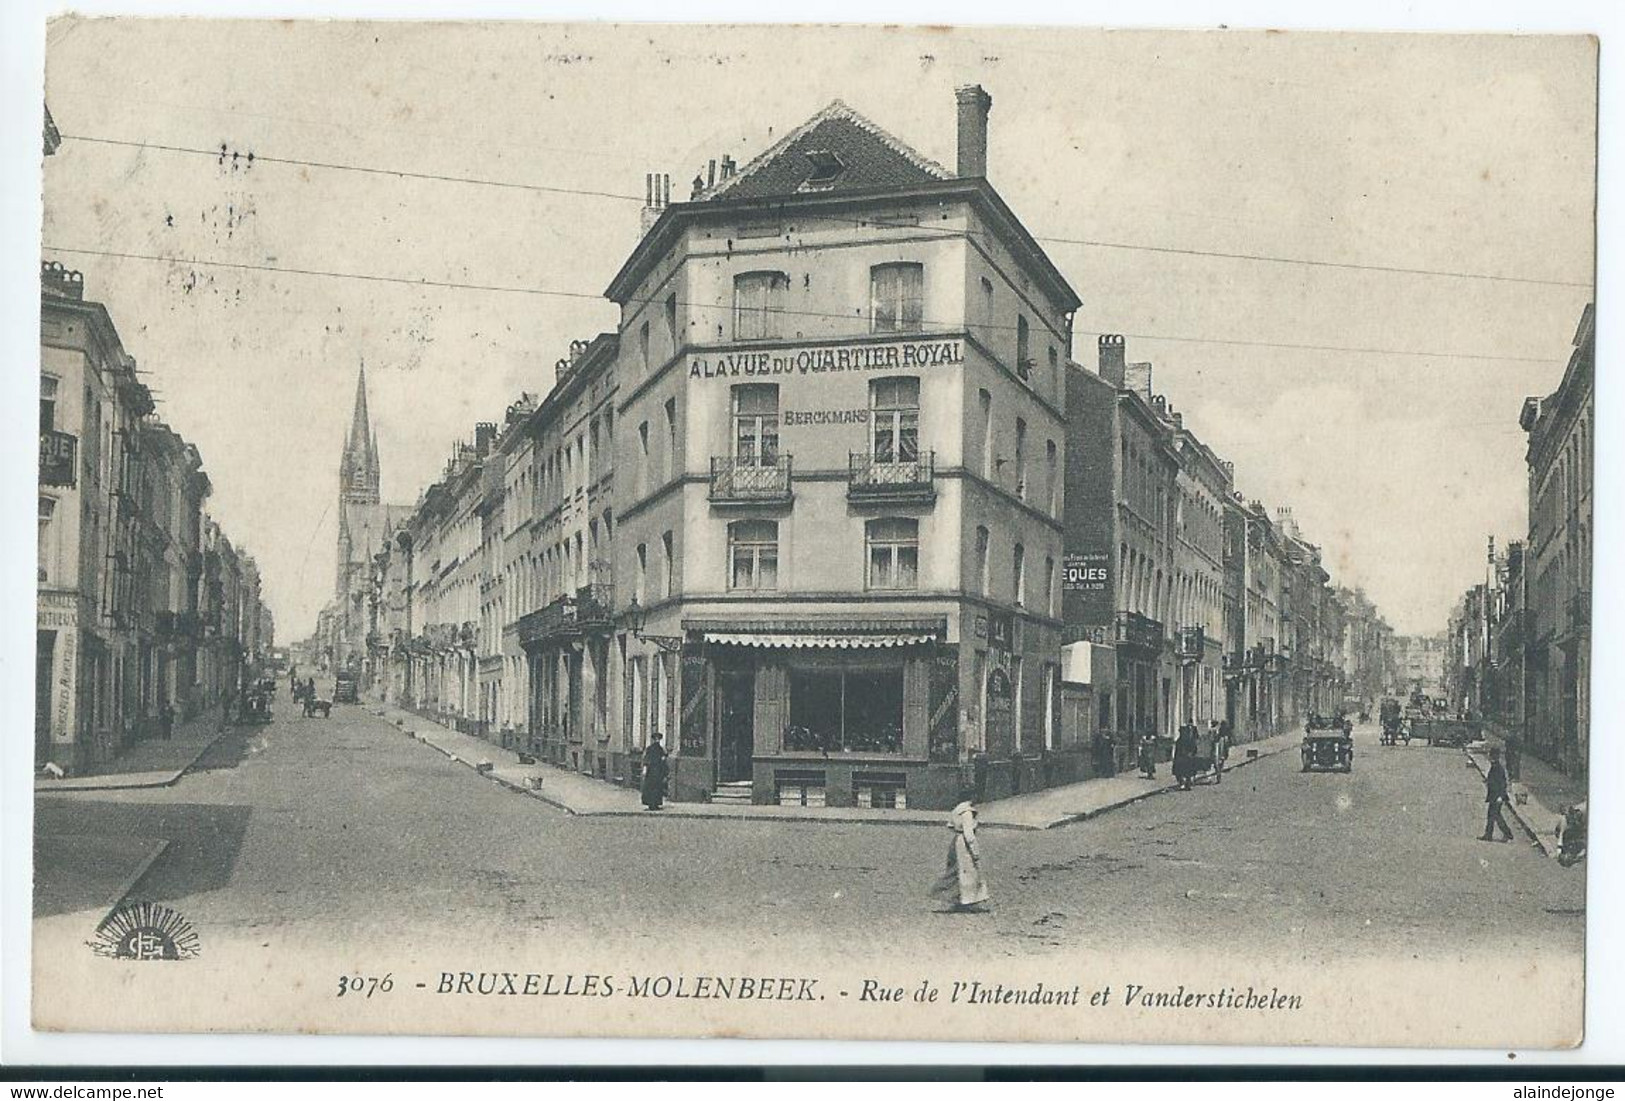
834	513
145	608
1519	643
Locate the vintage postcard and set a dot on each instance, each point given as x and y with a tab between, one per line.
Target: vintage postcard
821	532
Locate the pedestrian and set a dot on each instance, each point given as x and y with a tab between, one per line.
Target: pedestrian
166	721
654	773
1495	794
1148	755
1221	749
1185	756
962	883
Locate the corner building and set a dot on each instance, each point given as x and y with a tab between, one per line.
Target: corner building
840	422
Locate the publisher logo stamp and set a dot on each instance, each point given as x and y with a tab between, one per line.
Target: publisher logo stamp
145	931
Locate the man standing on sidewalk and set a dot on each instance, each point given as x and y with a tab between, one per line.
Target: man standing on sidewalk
1495	794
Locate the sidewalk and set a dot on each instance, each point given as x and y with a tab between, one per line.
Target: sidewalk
149	763
583	795
1538	796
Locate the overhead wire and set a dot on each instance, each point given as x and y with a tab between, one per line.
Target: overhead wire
856	313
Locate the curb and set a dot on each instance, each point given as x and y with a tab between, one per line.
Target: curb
743	816
49	787
1517	812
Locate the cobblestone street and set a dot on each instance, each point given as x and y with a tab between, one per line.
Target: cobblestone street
346	829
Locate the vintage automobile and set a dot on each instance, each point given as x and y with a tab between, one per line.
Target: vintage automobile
1328	745
1446	732
344	690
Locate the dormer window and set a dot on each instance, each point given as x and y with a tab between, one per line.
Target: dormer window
826	169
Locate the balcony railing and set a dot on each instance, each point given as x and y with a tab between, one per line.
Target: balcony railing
1190	643
1136	630
737	481
873	479
589	609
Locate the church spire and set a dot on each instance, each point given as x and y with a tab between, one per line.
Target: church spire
358	471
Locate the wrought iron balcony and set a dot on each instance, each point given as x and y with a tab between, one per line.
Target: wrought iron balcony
589	609
873	479
740	481
1139	631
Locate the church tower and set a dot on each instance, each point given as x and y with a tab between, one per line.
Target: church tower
358	498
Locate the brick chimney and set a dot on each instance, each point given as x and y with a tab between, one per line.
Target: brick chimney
1112	353
974	104
485	432
656	197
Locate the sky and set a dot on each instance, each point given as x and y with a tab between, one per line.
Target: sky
1399	455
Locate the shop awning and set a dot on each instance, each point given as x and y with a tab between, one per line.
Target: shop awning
817	641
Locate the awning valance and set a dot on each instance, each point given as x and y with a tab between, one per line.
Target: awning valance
816	641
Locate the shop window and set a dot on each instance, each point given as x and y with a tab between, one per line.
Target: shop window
896	298
759	304
756	424
799	788
753	554
856	710
894	553
880	790
894	417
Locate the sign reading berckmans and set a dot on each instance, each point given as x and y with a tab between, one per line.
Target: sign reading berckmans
824	358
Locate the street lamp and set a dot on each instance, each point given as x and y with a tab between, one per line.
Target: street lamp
637	617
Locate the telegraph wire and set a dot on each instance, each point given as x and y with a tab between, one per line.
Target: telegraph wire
446	284
224	153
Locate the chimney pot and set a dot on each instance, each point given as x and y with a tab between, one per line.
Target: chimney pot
973	104
1112	353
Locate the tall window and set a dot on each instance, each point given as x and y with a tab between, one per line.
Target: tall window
759	304
47	403
643	455
980	562
984	413
756	424
987	302
638	693
672	465
896	298
753	554
643	346
1024	361
640	585
1055	372
1049	586
1018	569
671	320
894	553
1021	458
1052	477
669	563
894	417
47	538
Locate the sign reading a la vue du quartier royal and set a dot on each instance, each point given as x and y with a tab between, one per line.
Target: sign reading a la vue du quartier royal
898	355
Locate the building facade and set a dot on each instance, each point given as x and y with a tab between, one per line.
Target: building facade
123	635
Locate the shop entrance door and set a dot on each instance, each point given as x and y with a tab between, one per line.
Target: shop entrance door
736	723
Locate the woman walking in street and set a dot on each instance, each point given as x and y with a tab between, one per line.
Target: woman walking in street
654	773
962	883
